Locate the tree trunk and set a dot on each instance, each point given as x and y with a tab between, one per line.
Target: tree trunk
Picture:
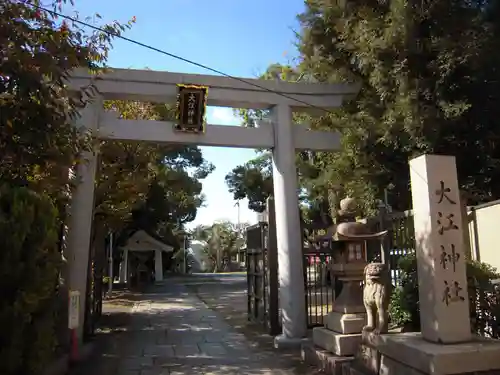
217	261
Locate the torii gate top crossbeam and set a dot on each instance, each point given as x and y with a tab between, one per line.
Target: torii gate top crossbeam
157	86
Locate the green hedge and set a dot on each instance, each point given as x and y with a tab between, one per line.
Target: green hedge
483	298
29	272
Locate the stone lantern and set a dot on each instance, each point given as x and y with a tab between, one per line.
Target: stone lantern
341	334
348	265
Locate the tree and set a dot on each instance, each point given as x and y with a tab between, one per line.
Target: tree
29	267
223	240
133	174
422	91
39	145
144	186
276	72
253	181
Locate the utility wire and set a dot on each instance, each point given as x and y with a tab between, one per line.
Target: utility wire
152	48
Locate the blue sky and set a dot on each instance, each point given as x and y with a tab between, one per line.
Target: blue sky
237	37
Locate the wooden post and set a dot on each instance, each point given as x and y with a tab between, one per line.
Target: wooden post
272	264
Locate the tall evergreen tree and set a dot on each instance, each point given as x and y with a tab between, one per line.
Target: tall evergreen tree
430	83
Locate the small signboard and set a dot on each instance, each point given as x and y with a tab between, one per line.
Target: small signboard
74	309
191	108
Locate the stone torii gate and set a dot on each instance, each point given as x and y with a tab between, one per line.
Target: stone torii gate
283	137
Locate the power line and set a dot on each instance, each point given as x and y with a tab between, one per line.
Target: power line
152	48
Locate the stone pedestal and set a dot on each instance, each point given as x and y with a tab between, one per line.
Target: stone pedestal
410	354
324	360
345	323
351	298
341	334
335	342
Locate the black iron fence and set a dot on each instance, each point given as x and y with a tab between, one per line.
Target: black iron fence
262	278
318	282
400	241
320	285
263	284
256	273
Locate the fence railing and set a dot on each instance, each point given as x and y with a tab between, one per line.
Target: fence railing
321	286
262	278
318	284
400	241
256	263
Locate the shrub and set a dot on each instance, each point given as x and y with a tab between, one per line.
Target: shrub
29	271
483	301
404	310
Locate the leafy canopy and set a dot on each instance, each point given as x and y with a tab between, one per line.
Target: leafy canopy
223	239
422	91
38	141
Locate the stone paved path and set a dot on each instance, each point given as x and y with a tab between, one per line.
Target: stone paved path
172	332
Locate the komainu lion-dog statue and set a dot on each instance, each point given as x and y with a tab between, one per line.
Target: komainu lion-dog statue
376	297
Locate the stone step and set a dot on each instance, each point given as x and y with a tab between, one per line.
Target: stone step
329	363
335	342
353	370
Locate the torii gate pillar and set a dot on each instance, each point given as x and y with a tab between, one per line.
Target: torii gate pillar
289	239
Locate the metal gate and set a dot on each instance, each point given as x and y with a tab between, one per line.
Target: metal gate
320	285
95	290
262	286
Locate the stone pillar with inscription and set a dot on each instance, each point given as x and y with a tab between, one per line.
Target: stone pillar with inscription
445	344
441	264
